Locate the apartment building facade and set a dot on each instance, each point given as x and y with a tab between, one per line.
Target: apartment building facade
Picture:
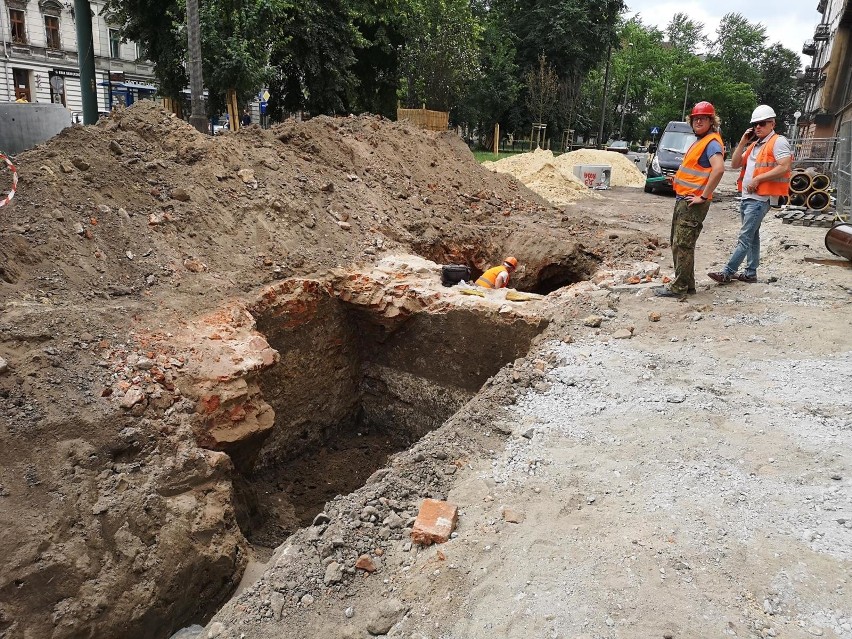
829	76
39	57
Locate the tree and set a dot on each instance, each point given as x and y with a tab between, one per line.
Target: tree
739	46
235	41
440	57
495	87
380	25
542	93
312	55
196	78
686	35
572	34
778	85
159	28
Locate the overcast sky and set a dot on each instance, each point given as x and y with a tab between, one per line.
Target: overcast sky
786	21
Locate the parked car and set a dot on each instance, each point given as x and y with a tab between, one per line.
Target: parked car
674	143
619	146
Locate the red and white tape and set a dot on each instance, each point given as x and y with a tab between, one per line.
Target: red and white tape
14	171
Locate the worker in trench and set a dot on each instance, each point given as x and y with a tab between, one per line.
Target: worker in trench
498	276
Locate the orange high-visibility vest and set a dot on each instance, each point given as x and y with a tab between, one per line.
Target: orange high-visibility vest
489	278
691	177
764	162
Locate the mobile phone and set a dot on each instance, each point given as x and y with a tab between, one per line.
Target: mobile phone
751	134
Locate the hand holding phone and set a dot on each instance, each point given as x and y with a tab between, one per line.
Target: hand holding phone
749	135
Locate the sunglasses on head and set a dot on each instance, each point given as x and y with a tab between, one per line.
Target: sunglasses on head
762	123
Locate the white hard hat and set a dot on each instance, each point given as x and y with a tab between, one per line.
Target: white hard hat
762	112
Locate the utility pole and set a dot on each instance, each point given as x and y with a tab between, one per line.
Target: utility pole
86	60
197	118
685	93
626	88
603	99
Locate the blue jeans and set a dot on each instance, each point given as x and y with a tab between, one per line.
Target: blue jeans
752	213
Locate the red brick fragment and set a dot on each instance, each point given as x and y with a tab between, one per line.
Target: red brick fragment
365	563
435	522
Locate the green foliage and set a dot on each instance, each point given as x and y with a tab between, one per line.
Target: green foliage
313	54
159	28
686	35
474	58
381	26
441	55
234	44
778	85
572	34
739	46
496	85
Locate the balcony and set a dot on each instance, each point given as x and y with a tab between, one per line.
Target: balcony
821	33
809	48
812	75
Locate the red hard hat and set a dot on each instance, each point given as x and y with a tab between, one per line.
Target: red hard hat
703	108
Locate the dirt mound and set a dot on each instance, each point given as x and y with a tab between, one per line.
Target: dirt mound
624	171
553	177
541	172
142	200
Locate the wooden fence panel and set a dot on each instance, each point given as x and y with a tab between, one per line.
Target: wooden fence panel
426	119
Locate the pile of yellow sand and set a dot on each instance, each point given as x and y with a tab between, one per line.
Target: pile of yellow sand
553	177
542	173
624	171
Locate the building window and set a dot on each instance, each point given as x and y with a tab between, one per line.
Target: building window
114	44
18	23
51	30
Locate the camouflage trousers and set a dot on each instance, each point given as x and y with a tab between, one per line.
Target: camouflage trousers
687	223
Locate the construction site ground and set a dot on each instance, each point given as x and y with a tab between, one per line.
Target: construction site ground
624	465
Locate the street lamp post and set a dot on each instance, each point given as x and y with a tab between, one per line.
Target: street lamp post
685	93
796	115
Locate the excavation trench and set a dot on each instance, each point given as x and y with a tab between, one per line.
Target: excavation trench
356	382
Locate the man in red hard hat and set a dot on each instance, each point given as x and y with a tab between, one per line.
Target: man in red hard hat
700	171
765	159
498	276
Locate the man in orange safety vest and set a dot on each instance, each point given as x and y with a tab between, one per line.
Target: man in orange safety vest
696	179
765	159
498	276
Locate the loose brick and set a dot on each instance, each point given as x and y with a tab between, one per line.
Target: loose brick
365	563
435	522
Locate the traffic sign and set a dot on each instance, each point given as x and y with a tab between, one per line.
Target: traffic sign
264	95
263	108
655	130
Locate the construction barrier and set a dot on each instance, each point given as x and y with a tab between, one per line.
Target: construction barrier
425	119
11	193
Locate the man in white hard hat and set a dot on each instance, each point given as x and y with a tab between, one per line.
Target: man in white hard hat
765	159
